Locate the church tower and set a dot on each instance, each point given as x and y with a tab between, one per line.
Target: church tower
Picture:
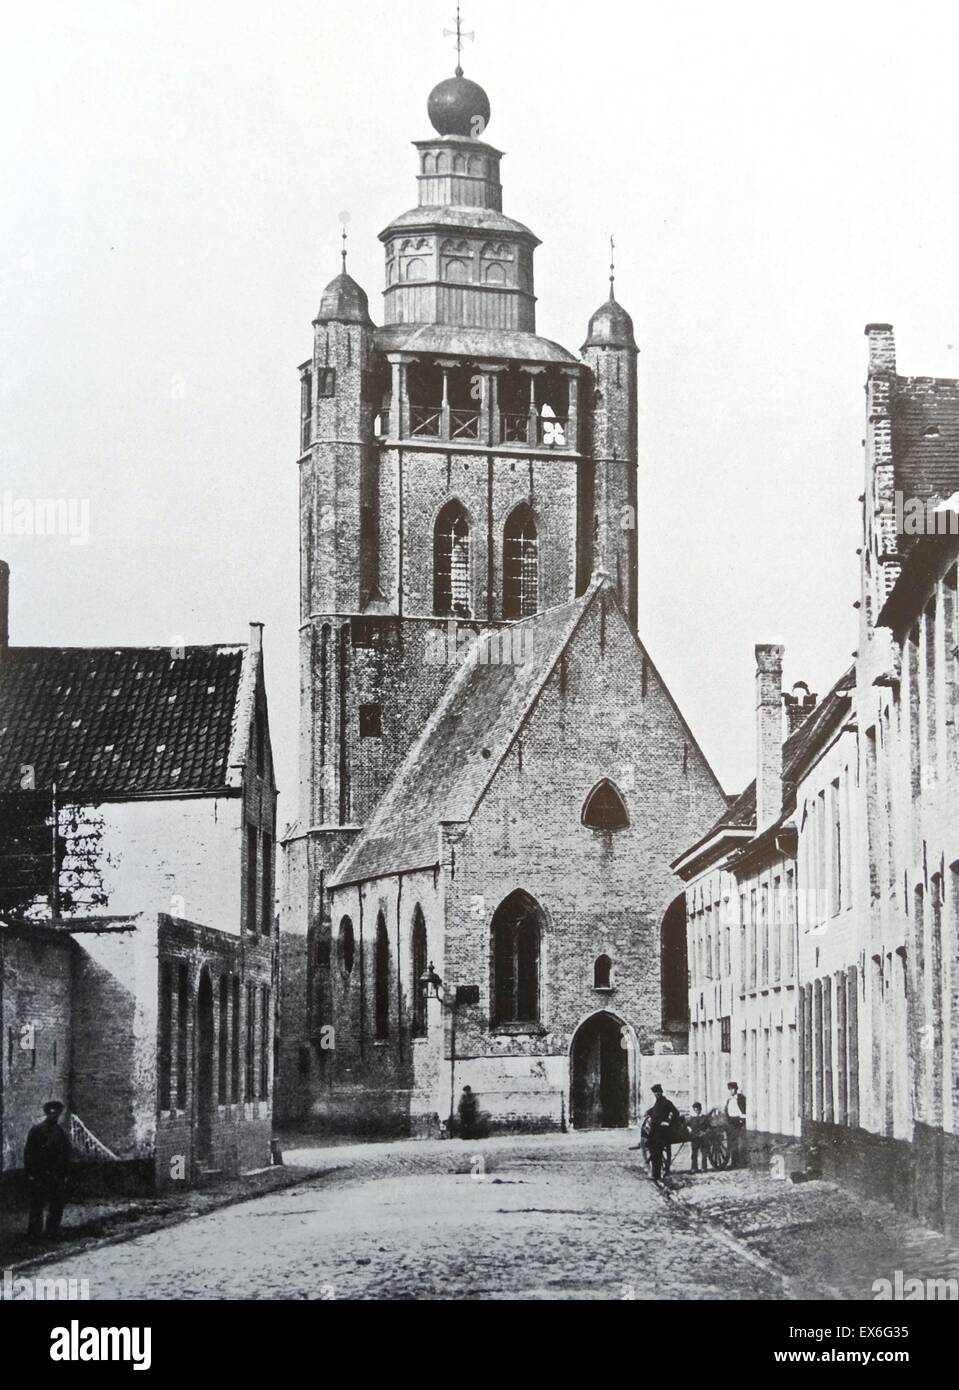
465	805
458	472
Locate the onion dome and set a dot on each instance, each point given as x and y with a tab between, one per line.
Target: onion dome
458	106
344	302
611	326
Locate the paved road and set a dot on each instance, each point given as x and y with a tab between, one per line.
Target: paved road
549	1217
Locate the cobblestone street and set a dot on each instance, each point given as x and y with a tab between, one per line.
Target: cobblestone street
548	1217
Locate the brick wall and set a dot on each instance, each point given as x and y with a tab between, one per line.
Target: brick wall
36	972
605	713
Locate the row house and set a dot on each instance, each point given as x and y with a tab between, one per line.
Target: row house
854	817
138	945
744	912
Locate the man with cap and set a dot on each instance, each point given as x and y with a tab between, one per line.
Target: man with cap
662	1117
46	1158
736	1125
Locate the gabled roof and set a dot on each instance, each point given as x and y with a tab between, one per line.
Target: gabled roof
124	721
466	738
925	436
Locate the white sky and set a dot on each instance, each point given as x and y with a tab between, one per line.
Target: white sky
171	177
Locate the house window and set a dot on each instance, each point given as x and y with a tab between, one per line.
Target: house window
418	971
267	922
605	808
250	1041
326	382
520	564
166	1035
223	1054
347	946
251	878
235	1038
602	970
371	721
182	1017
451	562
264	1042
516	937
726	1034
381	981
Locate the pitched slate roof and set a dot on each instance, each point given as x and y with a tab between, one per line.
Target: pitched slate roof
119	720
925	436
469	733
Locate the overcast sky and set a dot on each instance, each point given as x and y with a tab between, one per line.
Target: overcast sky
172	175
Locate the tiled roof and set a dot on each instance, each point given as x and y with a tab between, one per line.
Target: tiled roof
118	720
465	739
925	436
741	814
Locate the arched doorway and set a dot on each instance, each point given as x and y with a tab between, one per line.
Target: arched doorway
600	1074
204	1077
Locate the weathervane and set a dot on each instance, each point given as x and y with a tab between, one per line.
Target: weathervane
459	34
343	252
612	268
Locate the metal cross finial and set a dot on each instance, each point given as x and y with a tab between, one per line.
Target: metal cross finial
612	268
459	33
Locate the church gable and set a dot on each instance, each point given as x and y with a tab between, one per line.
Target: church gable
603	754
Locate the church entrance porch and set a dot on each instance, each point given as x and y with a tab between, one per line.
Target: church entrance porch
600	1074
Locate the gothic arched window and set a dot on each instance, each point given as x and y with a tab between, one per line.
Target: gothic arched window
347	946
517	931
602	969
451	562
674	969
419	970
520	564
416	268
605	808
381	981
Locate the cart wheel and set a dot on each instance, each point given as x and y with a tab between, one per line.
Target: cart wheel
719	1149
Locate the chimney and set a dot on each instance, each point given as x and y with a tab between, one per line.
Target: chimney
798	705
769	734
4	605
882	347
256	638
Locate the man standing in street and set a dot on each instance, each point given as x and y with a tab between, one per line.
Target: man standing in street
46	1158
736	1125
698	1124
468	1113
662	1117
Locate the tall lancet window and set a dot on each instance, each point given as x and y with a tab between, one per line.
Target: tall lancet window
451	562
520	564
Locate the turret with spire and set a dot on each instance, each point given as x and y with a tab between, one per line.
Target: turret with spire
610	351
